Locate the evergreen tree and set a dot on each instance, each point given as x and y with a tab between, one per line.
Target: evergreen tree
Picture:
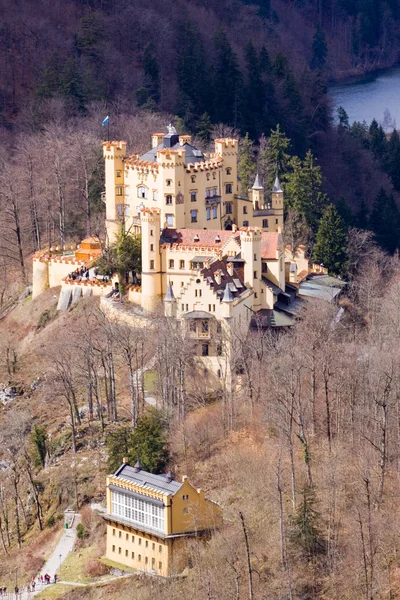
227	82
204	127
274	158
280	68
123	257
50	79
319	48
192	73
393	159
343	118
377	140
306	531
149	442
71	86
151	69
118	444
362	216
345	212
331	242
255	91
246	165
303	189
385	221
38	436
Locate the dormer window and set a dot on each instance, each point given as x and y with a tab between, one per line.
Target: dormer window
217	239
196	238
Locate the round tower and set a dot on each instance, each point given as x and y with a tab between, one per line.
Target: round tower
151	258
40	276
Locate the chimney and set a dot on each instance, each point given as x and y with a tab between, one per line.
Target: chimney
217	276
217	239
234	228
229	268
196	239
184	478
125	460
157	139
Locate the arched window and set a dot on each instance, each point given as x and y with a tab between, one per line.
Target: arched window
142	192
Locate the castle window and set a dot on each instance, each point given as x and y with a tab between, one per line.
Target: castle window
151	233
155	195
119	174
126	553
170	220
213	307
142	192
139	557
153	563
207	193
245	223
228	171
113	531
265	223
193	196
169	182
214	192
113	548
219	375
153	547
193	178
133	555
219	350
172	264
208	214
147	543
192	325
168	199
228	188
127	536
255	296
193	216
146	560
181	264
118	190
204	326
214	175
208	176
204	350
228	208
160	549
276	221
182	284
140	541
209	308
127	188
120	534
152	265
214	212
255	257
245	210
119	550
160	566
133	539
183	307
255	274
151	247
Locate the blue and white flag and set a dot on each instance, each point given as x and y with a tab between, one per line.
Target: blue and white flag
106	120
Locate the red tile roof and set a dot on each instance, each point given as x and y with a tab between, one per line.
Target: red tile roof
269	244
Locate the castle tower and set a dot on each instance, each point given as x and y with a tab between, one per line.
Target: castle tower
170	306
114	154
250	241
257	193
277	203
151	258
40	276
228	149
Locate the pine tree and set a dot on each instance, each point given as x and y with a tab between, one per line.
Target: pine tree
38	436
362	216
343	118
331	242
71	85
345	212
393	159
151	69
377	140
274	158
246	165
149	442
306	531
385	221
255	91
118	443
204	127
319	48
303	189
227	82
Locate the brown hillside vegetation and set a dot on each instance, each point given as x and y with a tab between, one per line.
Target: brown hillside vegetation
303	455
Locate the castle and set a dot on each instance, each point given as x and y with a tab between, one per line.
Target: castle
190	189
150	519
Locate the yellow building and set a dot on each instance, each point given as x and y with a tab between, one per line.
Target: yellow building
191	189
150	519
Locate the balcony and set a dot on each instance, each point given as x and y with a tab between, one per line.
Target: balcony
200	335
210	200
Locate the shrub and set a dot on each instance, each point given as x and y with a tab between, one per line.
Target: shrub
81	531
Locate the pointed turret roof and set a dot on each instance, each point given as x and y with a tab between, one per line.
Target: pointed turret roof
228	296
169	296
257	185
277	185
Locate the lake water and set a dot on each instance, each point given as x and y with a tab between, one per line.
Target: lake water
369	98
